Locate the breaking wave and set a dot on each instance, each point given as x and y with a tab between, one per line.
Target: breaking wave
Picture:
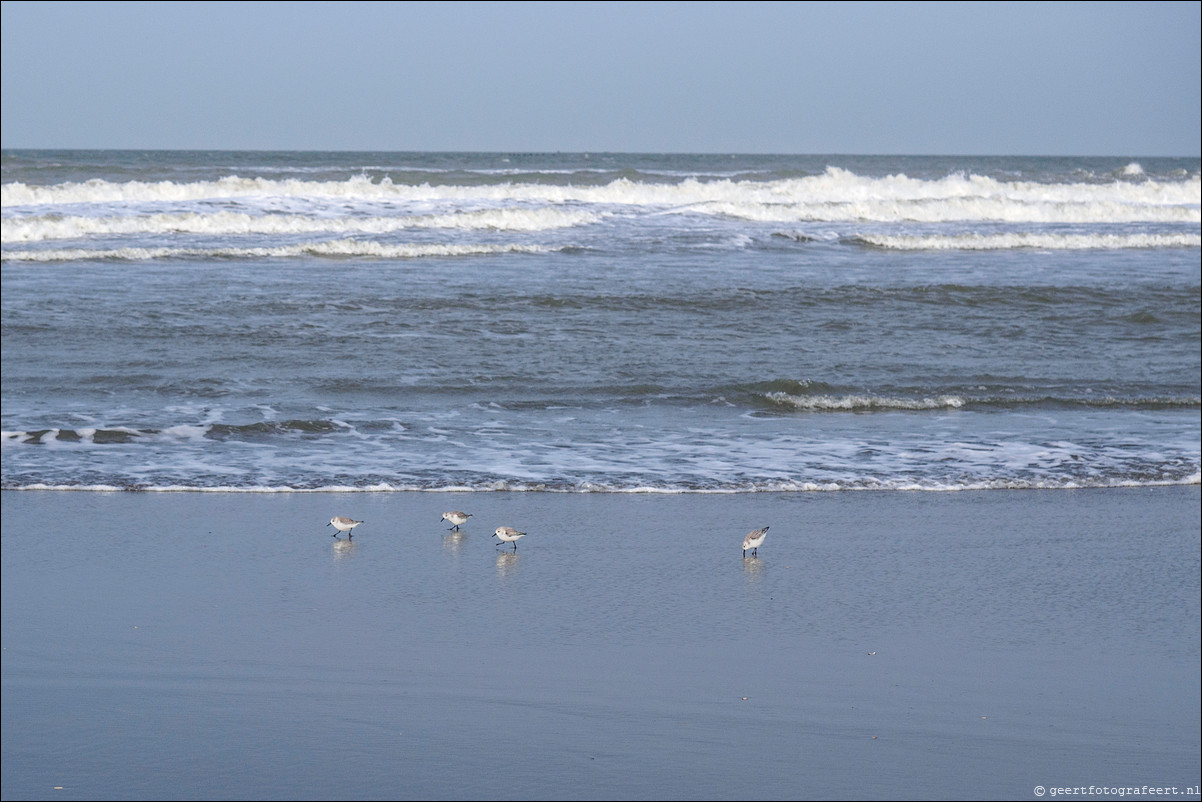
835	195
1015	241
333	249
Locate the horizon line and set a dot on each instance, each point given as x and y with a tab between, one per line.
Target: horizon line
600	152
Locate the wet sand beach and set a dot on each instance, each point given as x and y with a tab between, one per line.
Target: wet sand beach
882	645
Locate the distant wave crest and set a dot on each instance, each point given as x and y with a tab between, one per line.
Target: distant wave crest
835	195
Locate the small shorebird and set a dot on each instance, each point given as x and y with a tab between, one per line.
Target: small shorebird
343	525
509	535
456	517
754	540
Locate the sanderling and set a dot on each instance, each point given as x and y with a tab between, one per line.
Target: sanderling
456	517
343	525
509	535
754	540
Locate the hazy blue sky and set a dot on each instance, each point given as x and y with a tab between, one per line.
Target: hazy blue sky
1080	78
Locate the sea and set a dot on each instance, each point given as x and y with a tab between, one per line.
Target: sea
598	323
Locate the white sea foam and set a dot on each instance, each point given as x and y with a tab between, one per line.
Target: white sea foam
834	195
54	227
335	248
852	403
998	242
851	485
964	209
186	432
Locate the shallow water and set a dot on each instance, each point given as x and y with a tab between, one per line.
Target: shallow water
198	645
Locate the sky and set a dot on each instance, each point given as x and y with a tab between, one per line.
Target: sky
944	78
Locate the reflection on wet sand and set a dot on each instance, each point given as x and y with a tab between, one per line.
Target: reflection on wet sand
453	541
343	548
507	563
753	569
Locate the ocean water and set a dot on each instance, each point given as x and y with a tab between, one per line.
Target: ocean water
598	322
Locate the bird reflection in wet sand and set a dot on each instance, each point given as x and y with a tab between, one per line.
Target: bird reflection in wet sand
507	563
343	548
753	569
453	541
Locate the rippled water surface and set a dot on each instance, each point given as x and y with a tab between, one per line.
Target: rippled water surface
300	321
